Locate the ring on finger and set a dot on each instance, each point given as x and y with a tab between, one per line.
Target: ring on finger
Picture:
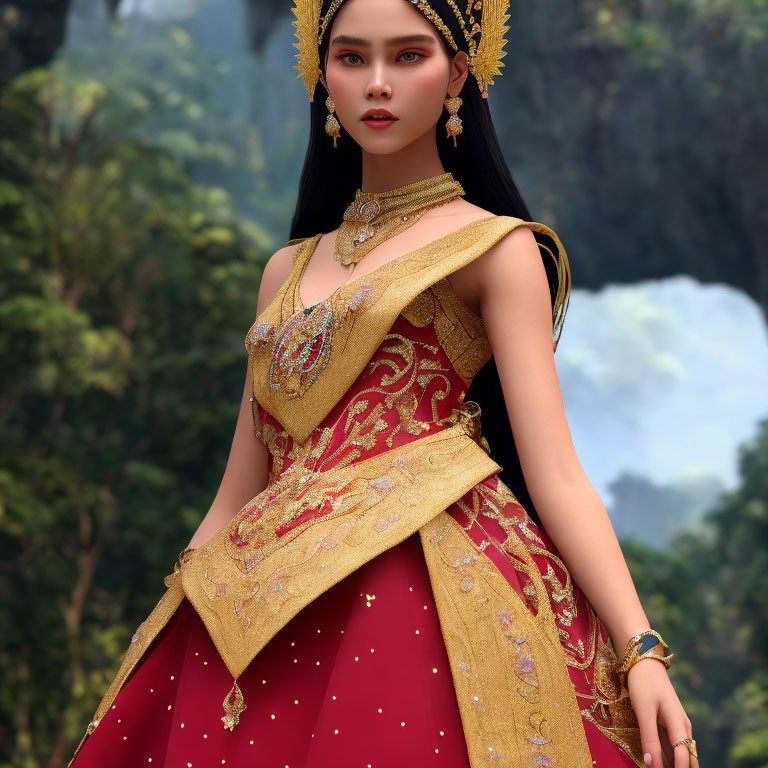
690	745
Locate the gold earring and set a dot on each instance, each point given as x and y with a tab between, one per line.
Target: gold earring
332	127
453	124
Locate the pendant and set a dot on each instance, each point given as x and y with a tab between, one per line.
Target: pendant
233	709
369	210
302	349
366	232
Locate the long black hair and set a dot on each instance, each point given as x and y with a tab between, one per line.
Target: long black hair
331	176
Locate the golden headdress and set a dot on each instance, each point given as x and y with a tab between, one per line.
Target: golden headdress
484	36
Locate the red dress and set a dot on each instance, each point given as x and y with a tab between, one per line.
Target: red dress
386	601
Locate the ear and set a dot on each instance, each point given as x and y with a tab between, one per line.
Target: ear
459	73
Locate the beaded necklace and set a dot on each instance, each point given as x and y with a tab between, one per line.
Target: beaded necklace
373	217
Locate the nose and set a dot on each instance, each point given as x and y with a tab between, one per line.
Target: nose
379	85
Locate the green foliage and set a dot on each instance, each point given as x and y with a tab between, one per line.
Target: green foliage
126	290
707	593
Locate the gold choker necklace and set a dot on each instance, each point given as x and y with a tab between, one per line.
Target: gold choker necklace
372	217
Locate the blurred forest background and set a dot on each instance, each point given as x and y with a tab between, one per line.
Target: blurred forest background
149	160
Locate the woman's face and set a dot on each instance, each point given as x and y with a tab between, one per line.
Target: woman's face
371	65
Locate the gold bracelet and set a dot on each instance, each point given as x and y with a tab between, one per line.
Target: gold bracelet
633	642
639	647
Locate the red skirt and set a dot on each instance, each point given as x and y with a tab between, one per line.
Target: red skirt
359	678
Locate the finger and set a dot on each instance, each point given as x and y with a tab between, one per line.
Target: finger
674	719
649	735
682	758
689	732
667	753
682	755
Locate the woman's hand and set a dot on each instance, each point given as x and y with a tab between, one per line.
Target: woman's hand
660	715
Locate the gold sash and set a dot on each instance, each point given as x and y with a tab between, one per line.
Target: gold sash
517	702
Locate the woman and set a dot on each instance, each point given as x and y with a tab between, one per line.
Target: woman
388	594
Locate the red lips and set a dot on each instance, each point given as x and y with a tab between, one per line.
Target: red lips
378	113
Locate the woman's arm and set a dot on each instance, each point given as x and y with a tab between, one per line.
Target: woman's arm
515	305
513	295
245	475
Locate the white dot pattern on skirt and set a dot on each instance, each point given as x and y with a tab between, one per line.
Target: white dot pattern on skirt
336	729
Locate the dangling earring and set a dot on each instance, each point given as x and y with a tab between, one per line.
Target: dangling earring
453	124
331	123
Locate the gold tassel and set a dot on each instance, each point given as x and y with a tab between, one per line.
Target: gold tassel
234	709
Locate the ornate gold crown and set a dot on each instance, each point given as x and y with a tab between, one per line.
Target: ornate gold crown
485	38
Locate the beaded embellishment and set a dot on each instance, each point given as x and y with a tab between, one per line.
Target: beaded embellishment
302	344
233	709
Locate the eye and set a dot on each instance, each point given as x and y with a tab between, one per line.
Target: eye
344	57
412	53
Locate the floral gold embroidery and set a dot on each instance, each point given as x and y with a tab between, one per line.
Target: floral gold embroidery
304	342
295	347
513	688
602	699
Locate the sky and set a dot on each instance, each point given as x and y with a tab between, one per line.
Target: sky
664	378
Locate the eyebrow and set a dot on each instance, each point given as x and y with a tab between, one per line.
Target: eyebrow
349	40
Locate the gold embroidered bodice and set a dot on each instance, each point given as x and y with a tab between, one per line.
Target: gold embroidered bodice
402	322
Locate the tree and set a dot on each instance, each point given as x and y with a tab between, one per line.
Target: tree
126	291
707	595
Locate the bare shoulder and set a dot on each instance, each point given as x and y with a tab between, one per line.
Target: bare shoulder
468	281
515	258
276	271
512	283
